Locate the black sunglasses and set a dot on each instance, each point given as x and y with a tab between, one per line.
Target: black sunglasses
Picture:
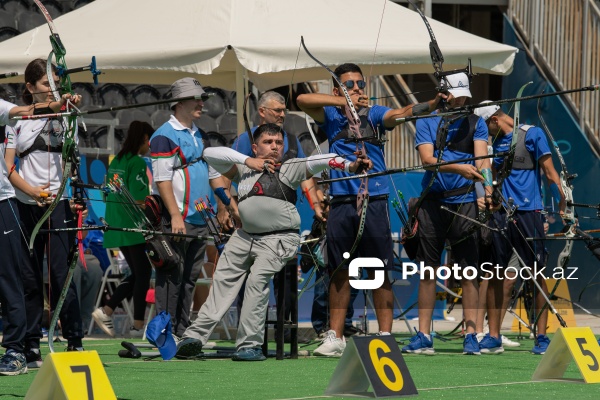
350	84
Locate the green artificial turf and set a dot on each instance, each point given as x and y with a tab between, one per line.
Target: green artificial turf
448	374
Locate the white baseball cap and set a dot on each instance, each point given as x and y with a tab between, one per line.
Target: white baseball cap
486	112
458	84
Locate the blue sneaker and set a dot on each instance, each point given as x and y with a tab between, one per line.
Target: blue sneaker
249	354
542	345
490	345
471	345
13	363
419	344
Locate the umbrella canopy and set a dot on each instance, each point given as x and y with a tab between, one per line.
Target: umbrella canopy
158	42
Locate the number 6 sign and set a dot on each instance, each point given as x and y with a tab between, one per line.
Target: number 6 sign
374	361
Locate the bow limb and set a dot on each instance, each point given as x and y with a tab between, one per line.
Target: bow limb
246	122
437	58
567	188
69	122
437	61
69	154
566	179
569	213
362	197
353	126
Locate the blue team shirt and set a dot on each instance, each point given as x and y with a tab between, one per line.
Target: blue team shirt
426	134
242	144
335	121
523	185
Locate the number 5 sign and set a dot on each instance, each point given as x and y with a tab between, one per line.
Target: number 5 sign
578	344
374	361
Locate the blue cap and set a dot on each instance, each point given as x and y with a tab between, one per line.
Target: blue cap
159	334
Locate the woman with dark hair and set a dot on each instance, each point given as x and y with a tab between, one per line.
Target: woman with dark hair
131	168
38	144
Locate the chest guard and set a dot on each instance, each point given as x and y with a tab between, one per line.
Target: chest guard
46	141
269	185
463	139
366	130
523	159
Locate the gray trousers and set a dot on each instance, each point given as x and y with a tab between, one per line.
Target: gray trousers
175	287
260	257
88	283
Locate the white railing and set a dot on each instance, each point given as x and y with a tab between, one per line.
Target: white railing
564	35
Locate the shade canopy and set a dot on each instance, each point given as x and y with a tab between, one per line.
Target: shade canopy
158	42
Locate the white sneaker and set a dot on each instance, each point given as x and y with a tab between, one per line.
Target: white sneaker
506	342
332	346
104	321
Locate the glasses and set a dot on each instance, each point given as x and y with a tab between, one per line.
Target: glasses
350	84
278	110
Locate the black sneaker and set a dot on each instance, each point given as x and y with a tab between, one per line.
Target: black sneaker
74	348
189	348
34	358
350	330
249	354
13	363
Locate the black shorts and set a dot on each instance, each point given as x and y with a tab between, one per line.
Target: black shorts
342	228
525	224
437	226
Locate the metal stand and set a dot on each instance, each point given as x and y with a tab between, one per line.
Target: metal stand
281	324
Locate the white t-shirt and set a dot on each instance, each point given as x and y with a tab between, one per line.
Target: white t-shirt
39	167
6	189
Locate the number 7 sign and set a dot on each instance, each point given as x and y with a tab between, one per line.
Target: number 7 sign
77	375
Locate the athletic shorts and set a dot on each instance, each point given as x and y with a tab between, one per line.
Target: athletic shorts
437	227
342	229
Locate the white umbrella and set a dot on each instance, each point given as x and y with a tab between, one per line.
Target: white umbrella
153	41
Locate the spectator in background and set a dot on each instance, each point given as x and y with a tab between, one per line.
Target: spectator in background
181	177
131	168
88	278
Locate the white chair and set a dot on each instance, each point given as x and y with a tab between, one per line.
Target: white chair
112	275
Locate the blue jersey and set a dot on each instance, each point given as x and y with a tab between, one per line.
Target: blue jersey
171	146
242	144
335	121
524	185
427	129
